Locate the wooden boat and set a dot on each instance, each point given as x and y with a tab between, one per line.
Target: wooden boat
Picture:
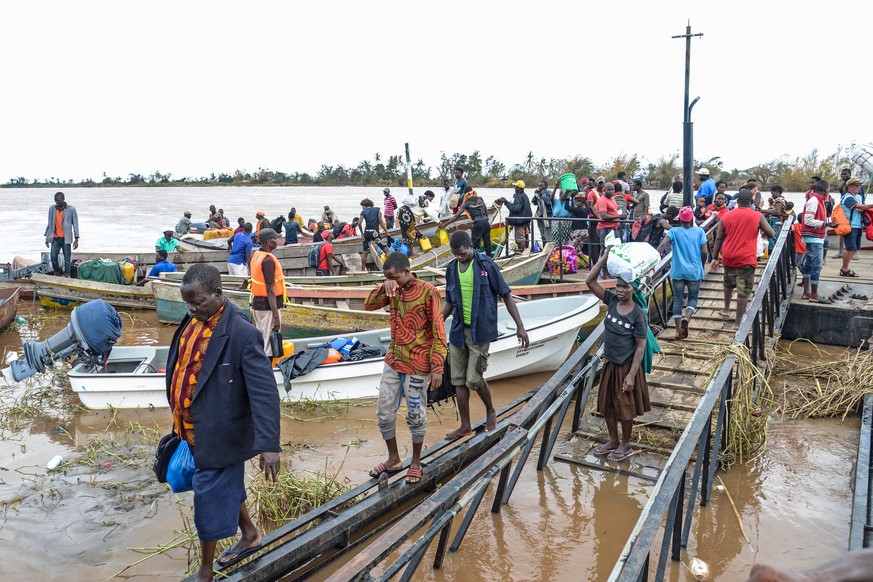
358	279
61	292
292	258
136	375
8	306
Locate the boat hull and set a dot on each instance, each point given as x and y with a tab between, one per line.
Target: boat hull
8	306
137	377
60	292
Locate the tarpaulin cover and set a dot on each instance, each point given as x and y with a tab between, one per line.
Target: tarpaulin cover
102	271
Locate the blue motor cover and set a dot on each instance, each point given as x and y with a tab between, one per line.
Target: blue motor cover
99	324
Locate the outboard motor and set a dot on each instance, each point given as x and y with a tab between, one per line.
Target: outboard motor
93	329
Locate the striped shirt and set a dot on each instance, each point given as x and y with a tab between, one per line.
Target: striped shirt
390	205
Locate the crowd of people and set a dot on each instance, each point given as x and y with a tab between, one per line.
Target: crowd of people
215	334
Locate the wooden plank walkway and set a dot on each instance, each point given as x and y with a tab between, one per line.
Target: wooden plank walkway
678	379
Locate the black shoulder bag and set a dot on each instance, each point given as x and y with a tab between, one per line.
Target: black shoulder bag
166	448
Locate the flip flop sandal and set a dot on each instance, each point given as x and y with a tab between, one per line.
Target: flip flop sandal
381	468
722	314
601	452
859	296
849	273
233	556
613	457
683	334
822	301
413	476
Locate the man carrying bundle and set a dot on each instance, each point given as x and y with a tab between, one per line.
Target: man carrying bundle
473	284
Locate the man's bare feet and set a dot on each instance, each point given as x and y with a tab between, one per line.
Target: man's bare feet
459	432
490	421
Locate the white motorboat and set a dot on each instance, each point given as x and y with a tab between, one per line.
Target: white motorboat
135	376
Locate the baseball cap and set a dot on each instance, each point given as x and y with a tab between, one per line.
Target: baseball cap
259	213
386	190
853	182
600	179
686	214
703	171
583	181
518	184
169	229
267	234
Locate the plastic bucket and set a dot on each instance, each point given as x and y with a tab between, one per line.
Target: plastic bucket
568	182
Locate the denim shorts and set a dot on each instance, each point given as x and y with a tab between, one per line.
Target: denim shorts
852	241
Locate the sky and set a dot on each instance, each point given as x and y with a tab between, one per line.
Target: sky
192	87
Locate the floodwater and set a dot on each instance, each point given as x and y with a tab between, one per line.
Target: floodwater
131	219
94	519
91	521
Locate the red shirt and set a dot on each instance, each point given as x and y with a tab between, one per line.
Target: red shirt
593	197
607	205
740	246
710	210
323	253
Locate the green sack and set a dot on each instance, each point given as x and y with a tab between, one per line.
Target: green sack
102	271
652	346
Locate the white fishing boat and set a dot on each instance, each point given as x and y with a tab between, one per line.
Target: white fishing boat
134	377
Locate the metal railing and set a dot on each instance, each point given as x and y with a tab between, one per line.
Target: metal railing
540	419
674	490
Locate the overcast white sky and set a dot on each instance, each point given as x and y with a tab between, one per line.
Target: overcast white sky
195	87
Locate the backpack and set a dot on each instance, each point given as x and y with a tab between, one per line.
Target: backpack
338	228
641	230
314	256
838	216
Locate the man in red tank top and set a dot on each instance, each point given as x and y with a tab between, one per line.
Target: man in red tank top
737	241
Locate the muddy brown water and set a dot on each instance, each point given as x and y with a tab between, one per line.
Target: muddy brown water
565	523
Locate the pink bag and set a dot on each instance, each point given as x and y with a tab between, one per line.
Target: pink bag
563	259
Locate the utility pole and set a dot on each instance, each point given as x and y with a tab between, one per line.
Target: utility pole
687	126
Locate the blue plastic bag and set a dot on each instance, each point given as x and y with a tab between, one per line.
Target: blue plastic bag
180	472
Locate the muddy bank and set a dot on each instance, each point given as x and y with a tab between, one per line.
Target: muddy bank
103	512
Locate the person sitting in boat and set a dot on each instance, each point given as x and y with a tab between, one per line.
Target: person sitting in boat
162	265
184	224
167	242
474	325
214	220
329	216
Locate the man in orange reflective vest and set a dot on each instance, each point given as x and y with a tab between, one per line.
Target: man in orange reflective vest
268	287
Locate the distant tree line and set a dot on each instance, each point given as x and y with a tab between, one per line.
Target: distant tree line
792	174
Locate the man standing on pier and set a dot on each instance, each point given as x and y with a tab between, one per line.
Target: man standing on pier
473	284
62	233
224	403
737	241
414	362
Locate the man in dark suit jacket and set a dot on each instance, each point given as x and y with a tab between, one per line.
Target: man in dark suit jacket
225	403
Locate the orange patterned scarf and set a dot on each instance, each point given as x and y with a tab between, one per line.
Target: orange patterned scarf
191	351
